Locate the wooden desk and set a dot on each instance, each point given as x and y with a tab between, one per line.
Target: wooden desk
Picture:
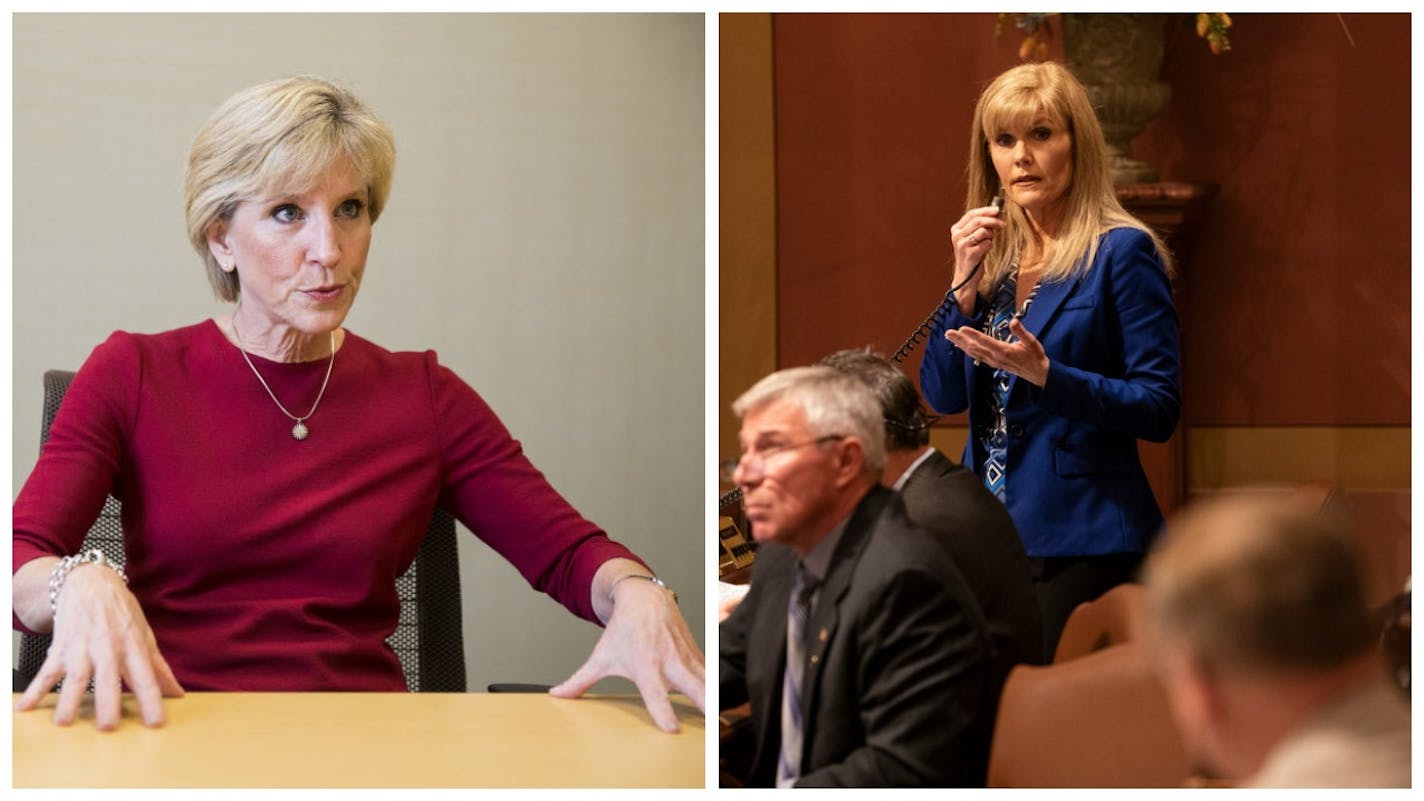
365	740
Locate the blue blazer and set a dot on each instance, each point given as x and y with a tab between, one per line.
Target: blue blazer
1074	484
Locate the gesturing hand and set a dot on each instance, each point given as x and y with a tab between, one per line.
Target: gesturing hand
101	633
647	641
1024	358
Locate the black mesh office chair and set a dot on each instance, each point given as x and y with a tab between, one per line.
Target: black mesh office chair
428	638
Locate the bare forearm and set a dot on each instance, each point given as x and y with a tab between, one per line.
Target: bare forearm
30	593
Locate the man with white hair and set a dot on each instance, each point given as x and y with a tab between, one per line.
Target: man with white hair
1267	648
859	646
949	501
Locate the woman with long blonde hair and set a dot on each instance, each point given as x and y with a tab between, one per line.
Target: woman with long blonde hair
1061	340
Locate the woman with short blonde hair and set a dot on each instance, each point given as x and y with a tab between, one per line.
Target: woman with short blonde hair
282	133
277	472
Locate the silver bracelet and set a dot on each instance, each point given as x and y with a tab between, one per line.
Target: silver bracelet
68	563
653	579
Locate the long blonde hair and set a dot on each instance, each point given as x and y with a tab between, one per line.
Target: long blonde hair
1015	99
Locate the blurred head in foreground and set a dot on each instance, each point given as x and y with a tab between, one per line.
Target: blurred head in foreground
1260	623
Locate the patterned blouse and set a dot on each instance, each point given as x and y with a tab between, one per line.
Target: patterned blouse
996	325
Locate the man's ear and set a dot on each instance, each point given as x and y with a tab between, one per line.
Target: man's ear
218	245
1195	692
850	455
1207	681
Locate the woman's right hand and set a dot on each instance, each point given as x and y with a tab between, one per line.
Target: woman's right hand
972	237
101	633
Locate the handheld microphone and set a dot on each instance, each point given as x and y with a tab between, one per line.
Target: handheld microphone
998	204
922	331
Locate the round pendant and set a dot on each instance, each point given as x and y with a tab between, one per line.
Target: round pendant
299	431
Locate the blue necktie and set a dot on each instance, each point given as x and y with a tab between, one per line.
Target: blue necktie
797	612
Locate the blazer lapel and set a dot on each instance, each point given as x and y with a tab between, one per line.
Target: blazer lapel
938	464
934	466
821	626
1045	307
776	570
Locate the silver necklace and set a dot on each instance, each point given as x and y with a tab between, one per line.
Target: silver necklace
300	430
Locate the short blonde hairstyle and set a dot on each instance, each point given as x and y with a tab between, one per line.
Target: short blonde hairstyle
1260	584
280	136
1016	98
834	403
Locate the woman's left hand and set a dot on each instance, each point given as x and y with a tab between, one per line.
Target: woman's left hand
647	641
1024	358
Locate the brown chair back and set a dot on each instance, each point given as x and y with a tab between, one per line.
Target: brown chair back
1099	720
1120	615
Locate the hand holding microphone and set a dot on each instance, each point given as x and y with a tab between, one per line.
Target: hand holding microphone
972	237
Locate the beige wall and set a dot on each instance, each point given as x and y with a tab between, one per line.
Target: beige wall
544	235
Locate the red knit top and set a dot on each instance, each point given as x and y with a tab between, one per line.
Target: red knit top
267	563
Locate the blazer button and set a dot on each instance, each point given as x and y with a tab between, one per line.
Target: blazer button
815	658
1016	430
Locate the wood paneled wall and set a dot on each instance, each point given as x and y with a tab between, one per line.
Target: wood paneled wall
1295	306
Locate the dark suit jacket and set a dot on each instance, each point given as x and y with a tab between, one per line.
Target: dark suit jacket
1074	485
899	665
949	501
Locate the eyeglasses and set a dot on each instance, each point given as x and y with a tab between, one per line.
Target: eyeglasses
754	462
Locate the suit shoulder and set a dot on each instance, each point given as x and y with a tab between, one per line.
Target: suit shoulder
1128	244
952	490
899	546
1129	251
1126	237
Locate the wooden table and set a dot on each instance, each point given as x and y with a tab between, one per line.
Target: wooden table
365	740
